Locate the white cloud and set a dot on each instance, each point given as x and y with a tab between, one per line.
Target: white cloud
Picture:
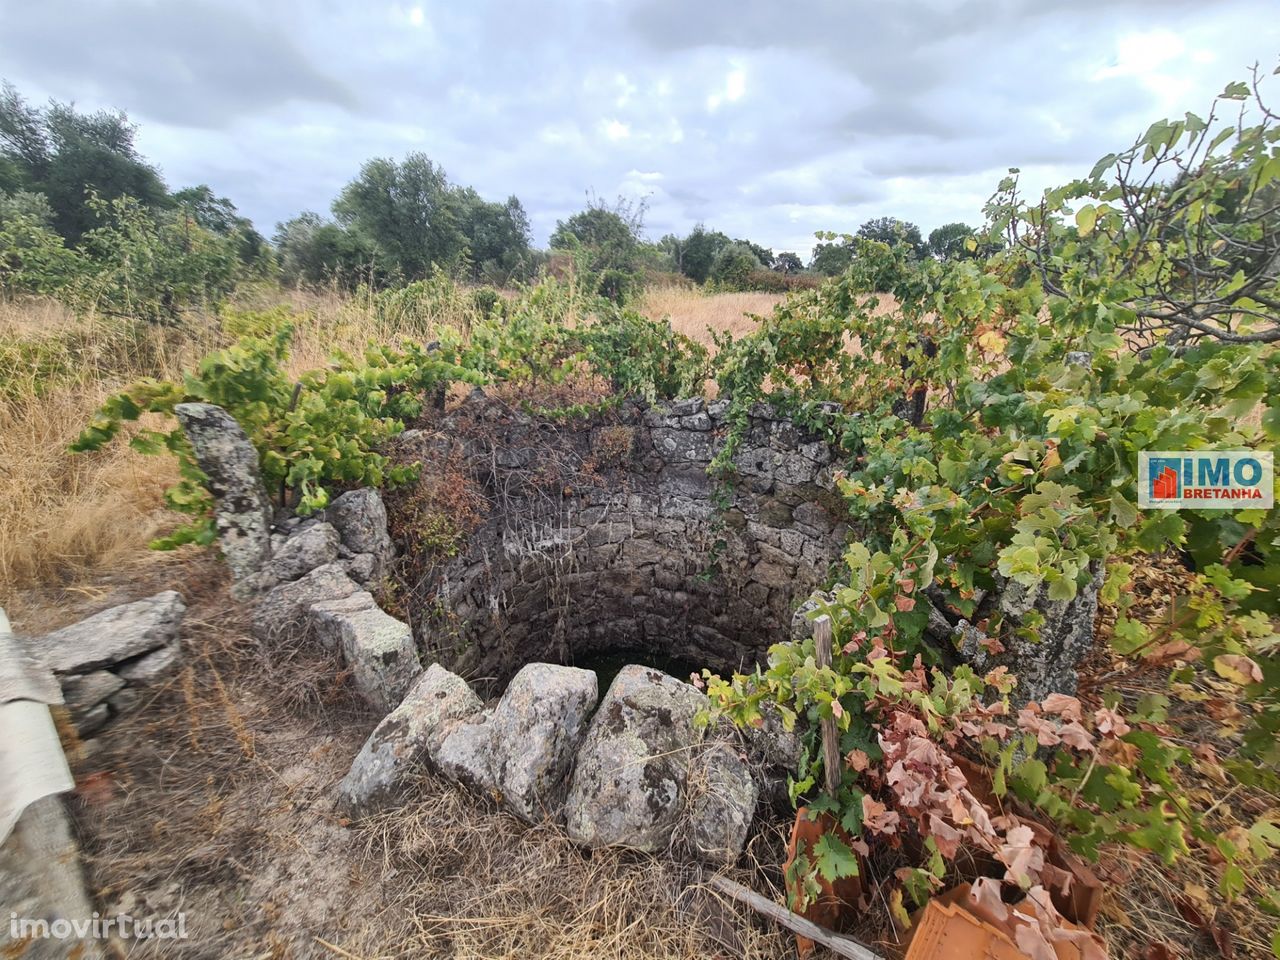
615	130
730	91
735	84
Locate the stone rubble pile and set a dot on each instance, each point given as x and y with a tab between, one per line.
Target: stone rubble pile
312	589
105	662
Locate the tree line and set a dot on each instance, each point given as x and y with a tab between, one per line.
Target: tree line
85	216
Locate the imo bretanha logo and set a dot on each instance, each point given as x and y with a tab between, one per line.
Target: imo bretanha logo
1206	479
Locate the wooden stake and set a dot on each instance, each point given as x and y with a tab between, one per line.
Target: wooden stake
842	946
830	735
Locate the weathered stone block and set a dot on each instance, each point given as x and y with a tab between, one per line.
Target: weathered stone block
629	782
113	635
536	730
311	547
242	510
283	614
406	738
152	666
722	804
378	648
360	518
84	692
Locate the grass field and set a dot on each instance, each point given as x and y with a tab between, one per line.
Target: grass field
693	313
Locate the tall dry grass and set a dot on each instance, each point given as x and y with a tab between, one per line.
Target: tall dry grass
693	312
63	517
67	520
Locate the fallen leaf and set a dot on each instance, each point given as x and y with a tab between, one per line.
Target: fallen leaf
1065	706
1020	855
1109	722
1237	668
1169	652
877	817
991	645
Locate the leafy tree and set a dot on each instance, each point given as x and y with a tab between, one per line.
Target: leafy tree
11	177
762	254
734	265
219	215
696	253
138	262
406	212
497	237
833	255
411	219
66	155
24	203
948	242
212	212
315	251
604	240
151	264
33	258
603	231
892	231
788	263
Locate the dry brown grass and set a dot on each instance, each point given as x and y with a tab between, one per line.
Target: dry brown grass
692	312
65	518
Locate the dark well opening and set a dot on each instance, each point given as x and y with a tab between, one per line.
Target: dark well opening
606	665
604	541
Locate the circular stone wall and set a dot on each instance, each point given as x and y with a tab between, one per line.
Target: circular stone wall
639	551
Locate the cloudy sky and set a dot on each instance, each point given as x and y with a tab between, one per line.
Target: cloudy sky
768	120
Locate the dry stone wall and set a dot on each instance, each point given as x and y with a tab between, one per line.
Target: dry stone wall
653	557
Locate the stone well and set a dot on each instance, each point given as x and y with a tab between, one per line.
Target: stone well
647	557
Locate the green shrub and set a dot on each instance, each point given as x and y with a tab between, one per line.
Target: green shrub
733	266
320	432
487	300
33	258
